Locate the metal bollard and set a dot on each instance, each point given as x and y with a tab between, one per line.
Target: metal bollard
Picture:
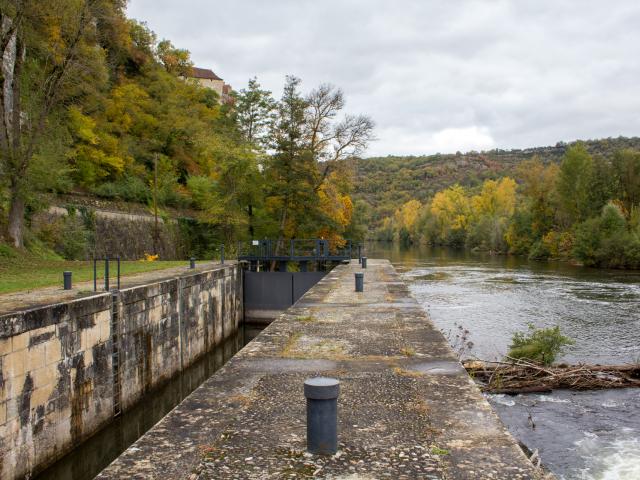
67	280
322	415
364	262
359	282
192	262
221	253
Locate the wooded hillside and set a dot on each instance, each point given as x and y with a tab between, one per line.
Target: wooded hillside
383	184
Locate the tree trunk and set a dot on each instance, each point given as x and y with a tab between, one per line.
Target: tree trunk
16	218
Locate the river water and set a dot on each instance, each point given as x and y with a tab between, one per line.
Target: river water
579	435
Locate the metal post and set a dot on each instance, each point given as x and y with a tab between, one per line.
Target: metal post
322	415
67	280
222	253
364	262
118	272
106	274
359	253
95	275
359	282
192	262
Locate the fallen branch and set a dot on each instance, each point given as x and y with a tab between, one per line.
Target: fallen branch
521	376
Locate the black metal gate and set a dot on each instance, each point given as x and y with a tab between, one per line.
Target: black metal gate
272	292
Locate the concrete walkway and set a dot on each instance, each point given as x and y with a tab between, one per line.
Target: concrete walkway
24	300
407	408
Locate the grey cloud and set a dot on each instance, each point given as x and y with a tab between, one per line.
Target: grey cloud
433	75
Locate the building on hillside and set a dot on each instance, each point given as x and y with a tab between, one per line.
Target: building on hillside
206	78
227	98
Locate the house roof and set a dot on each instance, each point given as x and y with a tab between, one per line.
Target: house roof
204	73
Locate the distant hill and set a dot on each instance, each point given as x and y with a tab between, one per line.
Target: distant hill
385	183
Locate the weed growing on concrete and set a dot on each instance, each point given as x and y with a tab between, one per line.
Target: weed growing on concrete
439	451
408	351
306	319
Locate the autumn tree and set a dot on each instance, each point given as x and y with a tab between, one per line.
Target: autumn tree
50	60
309	168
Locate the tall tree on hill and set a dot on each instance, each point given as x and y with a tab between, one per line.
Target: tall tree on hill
254	110
308	172
330	141
50	60
290	172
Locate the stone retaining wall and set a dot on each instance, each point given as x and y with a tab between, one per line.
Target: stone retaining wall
66	369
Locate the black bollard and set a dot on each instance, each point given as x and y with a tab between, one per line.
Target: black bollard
67	280
322	415
221	253
192	262
364	262
359	282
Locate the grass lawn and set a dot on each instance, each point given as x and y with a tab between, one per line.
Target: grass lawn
27	273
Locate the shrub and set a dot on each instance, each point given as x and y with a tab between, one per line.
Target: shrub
539	251
539	345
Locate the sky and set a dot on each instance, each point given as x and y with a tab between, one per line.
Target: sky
435	75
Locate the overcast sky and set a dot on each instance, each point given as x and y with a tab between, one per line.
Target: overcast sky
435	75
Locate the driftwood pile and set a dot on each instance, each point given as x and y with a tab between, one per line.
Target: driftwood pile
520	376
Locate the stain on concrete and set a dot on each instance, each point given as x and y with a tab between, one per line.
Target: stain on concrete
24	405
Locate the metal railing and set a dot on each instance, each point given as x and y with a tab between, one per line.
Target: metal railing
107	261
295	250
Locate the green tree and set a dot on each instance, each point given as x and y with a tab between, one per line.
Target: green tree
573	184
626	171
254	108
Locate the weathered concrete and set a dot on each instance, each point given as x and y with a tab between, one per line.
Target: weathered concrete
65	369
407	408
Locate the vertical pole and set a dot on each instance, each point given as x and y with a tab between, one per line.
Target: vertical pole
222	253
95	274
118	272
106	274
155	204
291	249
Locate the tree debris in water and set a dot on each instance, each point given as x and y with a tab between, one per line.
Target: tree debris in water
521	376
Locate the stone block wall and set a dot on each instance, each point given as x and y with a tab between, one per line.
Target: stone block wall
66	369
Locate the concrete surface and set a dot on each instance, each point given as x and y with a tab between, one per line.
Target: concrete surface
407	409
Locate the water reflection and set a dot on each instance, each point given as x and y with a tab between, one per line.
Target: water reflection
86	461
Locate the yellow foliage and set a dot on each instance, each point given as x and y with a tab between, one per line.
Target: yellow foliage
451	209
407	215
497	199
149	258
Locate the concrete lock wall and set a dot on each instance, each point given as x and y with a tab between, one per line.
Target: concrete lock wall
66	369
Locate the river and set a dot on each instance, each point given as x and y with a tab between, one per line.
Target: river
579	435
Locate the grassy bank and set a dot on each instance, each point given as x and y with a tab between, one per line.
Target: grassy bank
24	272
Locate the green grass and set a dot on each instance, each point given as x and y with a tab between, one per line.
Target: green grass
25	272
